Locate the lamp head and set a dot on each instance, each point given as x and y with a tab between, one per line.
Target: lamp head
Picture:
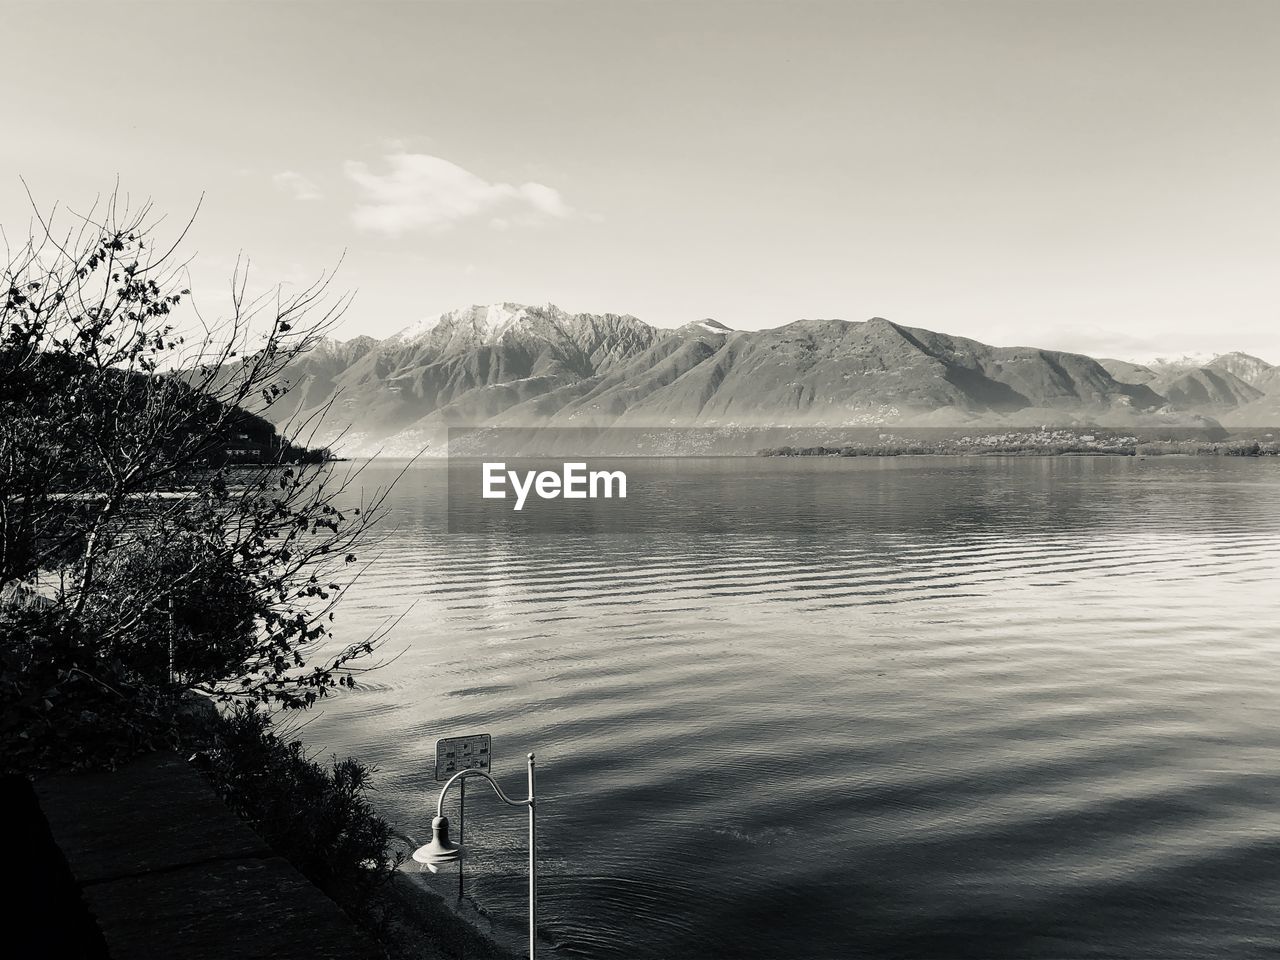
440	850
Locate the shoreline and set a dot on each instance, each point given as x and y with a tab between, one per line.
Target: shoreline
426	919
1139	449
1008	453
869	455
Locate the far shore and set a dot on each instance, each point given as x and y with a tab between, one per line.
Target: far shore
832	452
1180	448
720	442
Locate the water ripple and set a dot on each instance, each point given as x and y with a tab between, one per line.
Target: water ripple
918	708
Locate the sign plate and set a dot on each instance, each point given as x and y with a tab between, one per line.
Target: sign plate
463	753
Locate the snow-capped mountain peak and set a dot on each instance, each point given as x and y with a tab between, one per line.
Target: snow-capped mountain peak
477	324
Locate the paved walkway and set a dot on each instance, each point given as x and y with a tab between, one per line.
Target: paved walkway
170	871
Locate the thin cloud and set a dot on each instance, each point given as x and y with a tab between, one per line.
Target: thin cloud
422	192
302	188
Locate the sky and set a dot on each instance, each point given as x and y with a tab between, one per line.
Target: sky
1102	177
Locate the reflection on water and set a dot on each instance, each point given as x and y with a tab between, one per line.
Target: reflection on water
835	708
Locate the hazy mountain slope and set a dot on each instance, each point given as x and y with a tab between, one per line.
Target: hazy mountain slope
804	371
1206	390
664	363
1126	372
876	371
312	378
1253	371
1038	377
1169	367
1229	381
469	365
611	340
513	365
1262	415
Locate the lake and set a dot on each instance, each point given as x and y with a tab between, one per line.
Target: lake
903	707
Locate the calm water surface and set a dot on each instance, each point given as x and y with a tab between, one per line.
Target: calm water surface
914	707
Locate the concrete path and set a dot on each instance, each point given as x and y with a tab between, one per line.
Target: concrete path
169	871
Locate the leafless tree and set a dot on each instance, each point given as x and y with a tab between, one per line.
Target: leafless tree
120	404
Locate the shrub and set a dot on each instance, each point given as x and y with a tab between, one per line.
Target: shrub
202	623
317	817
160	567
64	707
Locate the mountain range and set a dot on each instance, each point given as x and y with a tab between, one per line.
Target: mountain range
519	366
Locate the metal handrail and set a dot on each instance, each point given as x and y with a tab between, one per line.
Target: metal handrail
492	782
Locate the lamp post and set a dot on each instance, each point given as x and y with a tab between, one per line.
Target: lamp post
441	851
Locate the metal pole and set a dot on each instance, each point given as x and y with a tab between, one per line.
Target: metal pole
533	868
435	854
171	638
462	806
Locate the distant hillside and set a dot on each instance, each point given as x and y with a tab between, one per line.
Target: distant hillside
1255	372
1261	413
1219	387
1206	389
1126	372
514	365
